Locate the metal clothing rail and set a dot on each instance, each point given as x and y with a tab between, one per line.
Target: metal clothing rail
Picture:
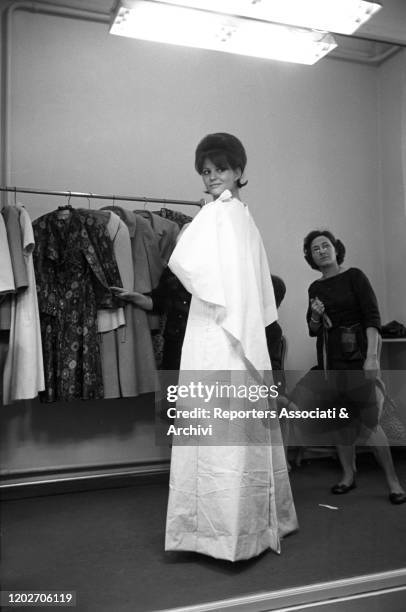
97	196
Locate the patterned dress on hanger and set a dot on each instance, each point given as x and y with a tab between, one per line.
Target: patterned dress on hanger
74	267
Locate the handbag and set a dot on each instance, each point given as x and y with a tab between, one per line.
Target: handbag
350	341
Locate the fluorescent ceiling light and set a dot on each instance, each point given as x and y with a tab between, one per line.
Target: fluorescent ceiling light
340	16
163	22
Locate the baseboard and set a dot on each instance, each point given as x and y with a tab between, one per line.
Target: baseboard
71	479
353	593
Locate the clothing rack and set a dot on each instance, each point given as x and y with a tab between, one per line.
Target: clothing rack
96	196
69	475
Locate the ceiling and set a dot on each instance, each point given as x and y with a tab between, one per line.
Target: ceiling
386	28
388	25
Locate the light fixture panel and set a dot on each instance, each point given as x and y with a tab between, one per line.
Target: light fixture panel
168	23
340	16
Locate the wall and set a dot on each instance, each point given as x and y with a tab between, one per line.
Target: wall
105	114
93	112
392	94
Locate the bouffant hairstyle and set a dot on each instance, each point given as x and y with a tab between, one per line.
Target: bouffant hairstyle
222	150
307	243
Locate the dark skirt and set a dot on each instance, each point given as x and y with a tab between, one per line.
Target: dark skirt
346	396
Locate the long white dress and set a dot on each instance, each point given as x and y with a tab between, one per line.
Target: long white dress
233	501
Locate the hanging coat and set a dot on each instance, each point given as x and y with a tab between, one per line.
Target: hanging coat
229	502
7	284
23	376
165	230
11	215
128	358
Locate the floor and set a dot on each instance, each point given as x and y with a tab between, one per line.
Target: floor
107	545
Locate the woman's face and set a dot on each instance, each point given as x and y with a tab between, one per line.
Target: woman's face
323	252
218	178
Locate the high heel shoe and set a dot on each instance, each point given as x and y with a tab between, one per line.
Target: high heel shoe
340	489
397	498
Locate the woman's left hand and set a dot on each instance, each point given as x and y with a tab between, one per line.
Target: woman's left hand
371	367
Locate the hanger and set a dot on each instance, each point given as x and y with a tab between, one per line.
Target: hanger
67	206
147	214
142	211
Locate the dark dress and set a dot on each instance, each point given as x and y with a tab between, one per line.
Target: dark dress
349	300
74	268
172	299
351	305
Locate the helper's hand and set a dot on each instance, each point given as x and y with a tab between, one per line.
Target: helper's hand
136	298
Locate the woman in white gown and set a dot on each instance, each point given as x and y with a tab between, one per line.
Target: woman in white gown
229	501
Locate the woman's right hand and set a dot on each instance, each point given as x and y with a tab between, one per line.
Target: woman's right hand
136	298
317	309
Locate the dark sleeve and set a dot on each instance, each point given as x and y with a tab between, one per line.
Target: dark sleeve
161	295
273	334
366	299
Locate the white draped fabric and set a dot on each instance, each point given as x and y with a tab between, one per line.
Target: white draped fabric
229	502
